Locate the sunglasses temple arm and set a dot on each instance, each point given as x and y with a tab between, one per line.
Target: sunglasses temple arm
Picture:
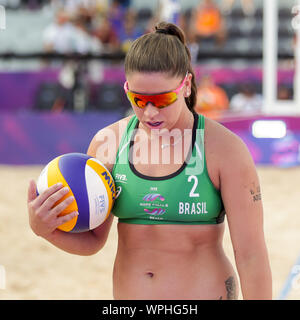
182	84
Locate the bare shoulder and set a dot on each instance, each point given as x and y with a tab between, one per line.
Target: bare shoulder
105	143
224	149
223	138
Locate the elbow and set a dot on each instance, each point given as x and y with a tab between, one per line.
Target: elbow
251	252
97	246
84	252
89	251
93	246
250	257
256	261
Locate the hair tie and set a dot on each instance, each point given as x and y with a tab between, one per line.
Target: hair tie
162	31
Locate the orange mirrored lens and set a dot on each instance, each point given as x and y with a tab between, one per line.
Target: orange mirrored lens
159	100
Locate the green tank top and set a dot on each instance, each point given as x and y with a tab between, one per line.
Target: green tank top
186	196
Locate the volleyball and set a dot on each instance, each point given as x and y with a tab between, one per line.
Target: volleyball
91	185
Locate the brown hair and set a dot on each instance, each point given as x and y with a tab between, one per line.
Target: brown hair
163	50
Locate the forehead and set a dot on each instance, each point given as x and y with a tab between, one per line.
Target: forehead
152	82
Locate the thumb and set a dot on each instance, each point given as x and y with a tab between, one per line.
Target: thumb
31	191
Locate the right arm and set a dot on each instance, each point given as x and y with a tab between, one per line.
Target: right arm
44	222
44	217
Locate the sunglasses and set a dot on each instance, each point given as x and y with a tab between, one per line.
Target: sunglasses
160	100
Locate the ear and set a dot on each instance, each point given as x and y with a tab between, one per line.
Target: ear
187	92
188	85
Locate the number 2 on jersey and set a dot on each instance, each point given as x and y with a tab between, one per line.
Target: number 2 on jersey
192	192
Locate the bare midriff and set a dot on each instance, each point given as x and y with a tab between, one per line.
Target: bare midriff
172	262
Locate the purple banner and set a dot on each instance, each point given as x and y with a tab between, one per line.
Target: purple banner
37	138
18	89
282	152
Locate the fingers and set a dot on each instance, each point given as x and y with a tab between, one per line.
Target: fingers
61	207
63	219
47	193
31	191
55	197
45	209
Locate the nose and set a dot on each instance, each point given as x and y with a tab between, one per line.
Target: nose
150	111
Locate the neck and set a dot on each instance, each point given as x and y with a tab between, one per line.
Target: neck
184	125
185	121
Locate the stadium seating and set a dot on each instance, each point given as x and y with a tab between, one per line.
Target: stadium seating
24	34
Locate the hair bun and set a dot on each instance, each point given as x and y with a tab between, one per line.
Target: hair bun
171	29
161	31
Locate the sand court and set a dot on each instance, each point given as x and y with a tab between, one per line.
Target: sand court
35	269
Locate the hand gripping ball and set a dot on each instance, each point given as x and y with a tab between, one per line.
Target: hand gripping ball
89	182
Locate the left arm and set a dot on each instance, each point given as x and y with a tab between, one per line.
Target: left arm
241	195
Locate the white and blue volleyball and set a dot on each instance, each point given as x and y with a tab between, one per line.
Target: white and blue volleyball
89	182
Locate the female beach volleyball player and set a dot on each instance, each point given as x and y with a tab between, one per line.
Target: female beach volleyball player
172	196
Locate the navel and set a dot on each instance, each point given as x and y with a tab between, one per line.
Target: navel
150	274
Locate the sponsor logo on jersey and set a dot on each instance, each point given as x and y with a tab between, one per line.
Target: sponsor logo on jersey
155	212
120	177
153	197
154	205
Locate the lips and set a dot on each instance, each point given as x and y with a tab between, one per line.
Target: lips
155	124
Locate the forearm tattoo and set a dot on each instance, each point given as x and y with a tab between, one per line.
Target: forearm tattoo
255	192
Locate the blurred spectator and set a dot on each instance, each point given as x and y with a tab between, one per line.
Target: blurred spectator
57	37
169	11
284	92
68	35
247	6
83	41
105	32
246	99
116	15
210	97
92	25
73	7
207	23
87	10
130	31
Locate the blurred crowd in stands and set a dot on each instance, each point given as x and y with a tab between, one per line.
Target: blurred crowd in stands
97	26
110	26
91	26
